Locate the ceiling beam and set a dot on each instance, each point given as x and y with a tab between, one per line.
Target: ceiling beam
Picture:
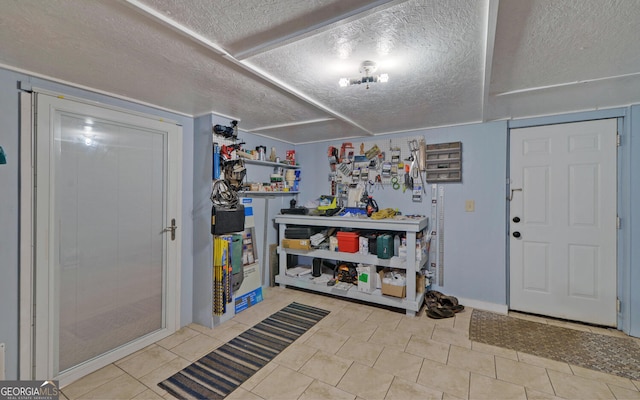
318	27
248	67
490	40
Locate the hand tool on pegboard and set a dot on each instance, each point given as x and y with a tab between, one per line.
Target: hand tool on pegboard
415	150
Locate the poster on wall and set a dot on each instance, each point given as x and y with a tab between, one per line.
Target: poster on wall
250	291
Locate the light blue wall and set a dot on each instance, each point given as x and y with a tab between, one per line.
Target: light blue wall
475	248
9	201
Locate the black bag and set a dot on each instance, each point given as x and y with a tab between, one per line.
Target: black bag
227	220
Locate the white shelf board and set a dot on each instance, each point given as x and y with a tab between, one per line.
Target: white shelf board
375	297
388	224
259	194
393	262
270	164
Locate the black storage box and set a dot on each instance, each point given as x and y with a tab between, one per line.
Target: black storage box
227	220
301	232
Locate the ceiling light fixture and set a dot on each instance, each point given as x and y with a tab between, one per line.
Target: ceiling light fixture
367	68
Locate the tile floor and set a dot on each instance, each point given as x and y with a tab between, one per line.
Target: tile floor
362	352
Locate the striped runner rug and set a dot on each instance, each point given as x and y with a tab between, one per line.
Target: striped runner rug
220	372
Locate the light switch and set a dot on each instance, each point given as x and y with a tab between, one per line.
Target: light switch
469	206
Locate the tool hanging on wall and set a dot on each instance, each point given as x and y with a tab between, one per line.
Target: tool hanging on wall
333	157
415	150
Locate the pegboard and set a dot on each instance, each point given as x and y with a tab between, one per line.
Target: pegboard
347	174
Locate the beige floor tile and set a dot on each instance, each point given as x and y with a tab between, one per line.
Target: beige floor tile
536	395
123	387
577	387
444	378
333	321
523	374
386	318
603	377
495	350
360	351
448	396
177	338
462	321
161	373
637	383
196	347
417	326
390	338
61	396
398	363
326	367
282	383
329	341
321	391
259	376
483	387
148	395
474	361
445	322
544	362
452	336
355	312
358	329
92	381
402	389
147	361
365	382
295	356
427	348
622	393
242	394
230	332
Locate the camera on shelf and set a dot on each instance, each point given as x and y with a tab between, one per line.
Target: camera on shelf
227	131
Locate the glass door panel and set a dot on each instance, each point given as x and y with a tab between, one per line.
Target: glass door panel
108	215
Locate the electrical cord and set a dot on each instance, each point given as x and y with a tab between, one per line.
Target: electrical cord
222	195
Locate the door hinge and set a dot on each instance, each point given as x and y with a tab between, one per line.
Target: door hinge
618	139
618	305
618	222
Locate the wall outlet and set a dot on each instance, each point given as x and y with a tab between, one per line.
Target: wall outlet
469	206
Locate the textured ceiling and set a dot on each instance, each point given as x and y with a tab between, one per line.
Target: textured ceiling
274	64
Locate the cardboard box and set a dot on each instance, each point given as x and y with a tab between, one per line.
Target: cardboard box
300	244
392	290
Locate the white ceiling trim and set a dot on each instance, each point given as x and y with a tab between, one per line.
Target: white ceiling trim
196	37
322	26
490	40
312	121
267	78
568	84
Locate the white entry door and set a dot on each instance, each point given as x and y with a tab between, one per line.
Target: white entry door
106	268
563	221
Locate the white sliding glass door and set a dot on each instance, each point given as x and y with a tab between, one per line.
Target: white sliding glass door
105	264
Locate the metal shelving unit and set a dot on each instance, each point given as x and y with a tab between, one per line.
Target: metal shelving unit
413	300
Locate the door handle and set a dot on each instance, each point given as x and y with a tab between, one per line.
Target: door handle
171	229
511	194
516	234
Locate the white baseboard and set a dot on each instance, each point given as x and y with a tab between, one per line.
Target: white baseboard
483	305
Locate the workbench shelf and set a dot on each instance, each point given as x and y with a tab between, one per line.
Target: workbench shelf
409	226
270	164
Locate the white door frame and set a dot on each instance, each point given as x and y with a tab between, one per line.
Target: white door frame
608	115
38	364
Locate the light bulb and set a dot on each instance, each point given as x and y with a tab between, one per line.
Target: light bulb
343	82
383	78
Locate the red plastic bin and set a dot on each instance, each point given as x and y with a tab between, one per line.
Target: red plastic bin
348	242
